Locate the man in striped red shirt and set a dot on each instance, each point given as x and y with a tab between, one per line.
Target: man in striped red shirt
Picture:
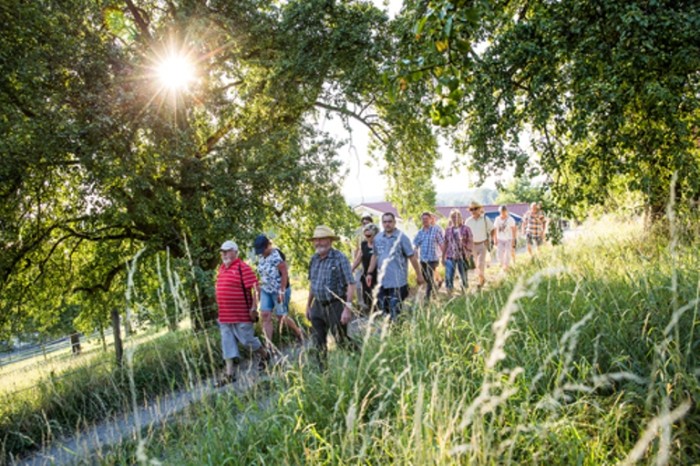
238	309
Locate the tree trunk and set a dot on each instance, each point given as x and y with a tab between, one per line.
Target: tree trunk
75	343
102	336
118	345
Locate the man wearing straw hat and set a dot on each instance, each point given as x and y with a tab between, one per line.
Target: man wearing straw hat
331	288
482	229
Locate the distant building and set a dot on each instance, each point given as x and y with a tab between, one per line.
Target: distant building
377	209
517	211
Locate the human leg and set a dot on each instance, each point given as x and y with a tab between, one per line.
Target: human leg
449	274
428	271
462	268
480	252
231	355
267	304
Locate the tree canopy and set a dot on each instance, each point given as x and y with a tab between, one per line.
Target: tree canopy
607	91
101	161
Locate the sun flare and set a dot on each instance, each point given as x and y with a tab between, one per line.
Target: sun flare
175	72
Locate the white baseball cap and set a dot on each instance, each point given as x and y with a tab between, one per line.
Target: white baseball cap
229	245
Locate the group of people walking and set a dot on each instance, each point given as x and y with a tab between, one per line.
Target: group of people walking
384	256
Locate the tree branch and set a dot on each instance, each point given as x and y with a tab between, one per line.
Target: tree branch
345	111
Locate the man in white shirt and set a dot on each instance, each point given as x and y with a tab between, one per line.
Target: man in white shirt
506	233
482	229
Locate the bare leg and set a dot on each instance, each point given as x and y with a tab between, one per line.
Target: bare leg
291	325
267	326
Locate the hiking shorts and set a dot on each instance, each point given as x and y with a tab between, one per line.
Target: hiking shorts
232	335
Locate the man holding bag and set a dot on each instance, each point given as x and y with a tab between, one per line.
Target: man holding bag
484	236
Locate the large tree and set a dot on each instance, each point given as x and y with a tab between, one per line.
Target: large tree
607	91
101	162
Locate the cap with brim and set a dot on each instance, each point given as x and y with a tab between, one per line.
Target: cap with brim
322	231
228	246
260	244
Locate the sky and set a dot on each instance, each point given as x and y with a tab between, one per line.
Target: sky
365	183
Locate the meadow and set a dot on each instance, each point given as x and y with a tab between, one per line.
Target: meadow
586	355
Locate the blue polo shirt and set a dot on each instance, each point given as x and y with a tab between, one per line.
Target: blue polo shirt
392	253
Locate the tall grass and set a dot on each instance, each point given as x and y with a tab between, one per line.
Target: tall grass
586	355
98	390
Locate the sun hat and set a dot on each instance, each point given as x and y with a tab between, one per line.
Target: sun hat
475	205
260	244
229	245
322	231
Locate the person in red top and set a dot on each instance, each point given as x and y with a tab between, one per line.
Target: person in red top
238	309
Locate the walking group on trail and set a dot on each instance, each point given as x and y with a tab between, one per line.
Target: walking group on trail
382	282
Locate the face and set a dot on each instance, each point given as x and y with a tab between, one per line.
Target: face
322	245
368	235
455	219
365	222
504	214
476	212
426	220
227	257
389	223
535	208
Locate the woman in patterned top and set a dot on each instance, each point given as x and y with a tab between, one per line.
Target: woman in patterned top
275	290
366	250
458	248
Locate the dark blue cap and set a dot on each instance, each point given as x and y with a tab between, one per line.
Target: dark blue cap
260	244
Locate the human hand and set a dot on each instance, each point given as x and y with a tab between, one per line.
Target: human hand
280	296
346	315
420	279
368	280
254	315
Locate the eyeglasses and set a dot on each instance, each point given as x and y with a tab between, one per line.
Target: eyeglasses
368	236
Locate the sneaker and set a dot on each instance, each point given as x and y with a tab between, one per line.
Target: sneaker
264	362
226	379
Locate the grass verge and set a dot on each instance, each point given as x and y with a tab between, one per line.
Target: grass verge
586	355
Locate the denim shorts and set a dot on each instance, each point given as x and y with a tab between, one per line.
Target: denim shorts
268	302
232	335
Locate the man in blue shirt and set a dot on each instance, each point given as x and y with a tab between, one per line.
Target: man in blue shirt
392	251
429	241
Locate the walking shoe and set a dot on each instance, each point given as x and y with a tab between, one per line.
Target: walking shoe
226	379
263	363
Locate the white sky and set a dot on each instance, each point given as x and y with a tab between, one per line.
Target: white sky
364	182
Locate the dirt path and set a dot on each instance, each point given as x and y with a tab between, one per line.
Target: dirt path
105	435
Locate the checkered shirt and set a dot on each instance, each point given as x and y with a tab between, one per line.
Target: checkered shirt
330	276
428	241
534	224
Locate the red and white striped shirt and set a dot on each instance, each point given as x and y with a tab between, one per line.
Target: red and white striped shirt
233	308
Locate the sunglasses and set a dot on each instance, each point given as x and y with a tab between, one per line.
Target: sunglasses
368	236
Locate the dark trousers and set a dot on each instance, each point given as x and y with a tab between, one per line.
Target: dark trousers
389	300
367	291
325	317
428	270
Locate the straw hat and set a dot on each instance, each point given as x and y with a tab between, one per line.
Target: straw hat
322	231
475	205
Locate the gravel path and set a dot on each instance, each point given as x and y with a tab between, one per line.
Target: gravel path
82	446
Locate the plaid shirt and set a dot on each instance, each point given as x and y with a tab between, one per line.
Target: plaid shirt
428	241
458	243
330	276
534	224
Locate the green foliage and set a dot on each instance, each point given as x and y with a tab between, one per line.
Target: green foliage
98	390
100	162
607	92
569	361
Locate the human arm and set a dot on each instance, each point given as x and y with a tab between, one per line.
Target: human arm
370	270
284	276
347	312
358	259
349	290
416	266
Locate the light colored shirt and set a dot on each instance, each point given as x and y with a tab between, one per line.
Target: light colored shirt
504	228
392	253
481	228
